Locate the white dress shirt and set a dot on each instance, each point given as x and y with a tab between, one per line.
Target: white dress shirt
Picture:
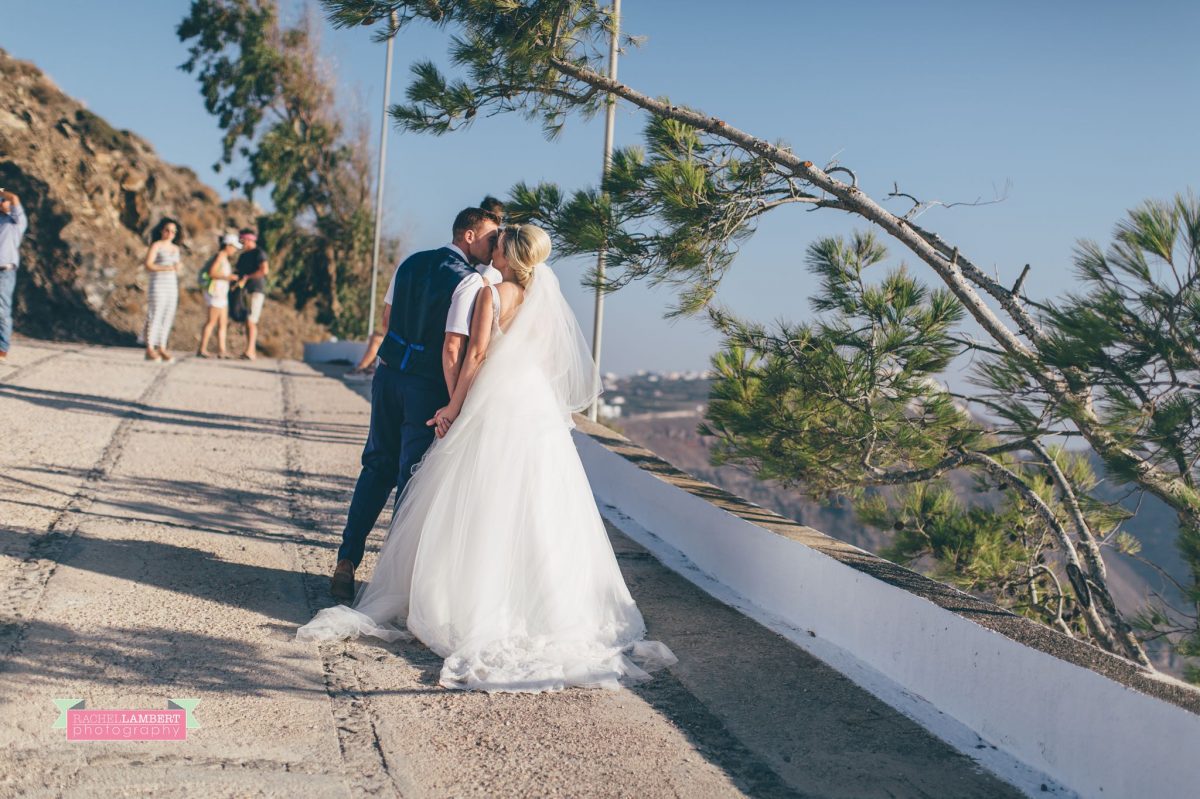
462	302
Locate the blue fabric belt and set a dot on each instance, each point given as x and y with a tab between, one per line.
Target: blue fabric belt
408	349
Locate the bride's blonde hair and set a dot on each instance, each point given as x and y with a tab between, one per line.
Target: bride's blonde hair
525	246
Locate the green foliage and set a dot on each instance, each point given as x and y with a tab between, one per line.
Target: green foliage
996	551
996	546
851	400
1132	332
264	84
239	63
674	212
507	51
832	403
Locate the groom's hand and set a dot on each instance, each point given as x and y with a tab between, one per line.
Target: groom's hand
441	421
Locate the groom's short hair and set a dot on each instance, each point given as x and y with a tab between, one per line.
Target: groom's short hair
471	218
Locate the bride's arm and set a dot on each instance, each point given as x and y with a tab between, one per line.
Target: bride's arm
477	346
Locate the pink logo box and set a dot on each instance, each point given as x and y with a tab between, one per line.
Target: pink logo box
171	724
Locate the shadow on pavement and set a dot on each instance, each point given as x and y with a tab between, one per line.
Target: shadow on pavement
144	657
189	505
73	402
196	573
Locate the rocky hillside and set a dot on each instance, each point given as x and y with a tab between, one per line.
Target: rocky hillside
92	194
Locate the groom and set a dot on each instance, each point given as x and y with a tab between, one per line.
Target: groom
428	311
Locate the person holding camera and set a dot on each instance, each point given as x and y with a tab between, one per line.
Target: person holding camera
12	229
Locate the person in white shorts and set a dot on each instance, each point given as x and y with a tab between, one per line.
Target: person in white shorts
214	283
251	272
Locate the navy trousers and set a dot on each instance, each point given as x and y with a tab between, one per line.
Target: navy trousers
401	404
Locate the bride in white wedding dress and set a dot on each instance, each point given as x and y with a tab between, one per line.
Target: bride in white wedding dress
497	558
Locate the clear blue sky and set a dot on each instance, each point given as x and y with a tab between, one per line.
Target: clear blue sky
1086	107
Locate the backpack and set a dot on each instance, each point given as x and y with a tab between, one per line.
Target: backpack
204	277
239	311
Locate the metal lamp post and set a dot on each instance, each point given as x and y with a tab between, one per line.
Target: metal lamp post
610	118
383	130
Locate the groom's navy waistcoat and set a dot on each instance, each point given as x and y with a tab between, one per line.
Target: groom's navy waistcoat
425	283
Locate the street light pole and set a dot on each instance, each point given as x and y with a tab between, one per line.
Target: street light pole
610	118
383	131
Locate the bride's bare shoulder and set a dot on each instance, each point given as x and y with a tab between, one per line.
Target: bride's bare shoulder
510	292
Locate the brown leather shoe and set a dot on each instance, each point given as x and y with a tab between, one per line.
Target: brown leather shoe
342	584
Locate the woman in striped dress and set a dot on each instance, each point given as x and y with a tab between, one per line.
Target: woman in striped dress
162	262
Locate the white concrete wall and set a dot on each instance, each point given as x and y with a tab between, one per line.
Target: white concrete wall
328	351
1051	721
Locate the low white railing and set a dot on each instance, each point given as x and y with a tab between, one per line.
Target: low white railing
1041	722
331	351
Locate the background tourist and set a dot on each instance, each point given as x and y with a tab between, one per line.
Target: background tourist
162	262
12	228
215	283
252	271
493	207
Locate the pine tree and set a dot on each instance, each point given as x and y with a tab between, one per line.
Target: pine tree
852	401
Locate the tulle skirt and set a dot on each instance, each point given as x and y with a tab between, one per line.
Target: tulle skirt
497	558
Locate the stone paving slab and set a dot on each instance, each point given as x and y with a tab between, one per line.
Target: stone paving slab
165	528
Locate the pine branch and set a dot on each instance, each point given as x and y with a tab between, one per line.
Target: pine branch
1096	624
1091	549
954	269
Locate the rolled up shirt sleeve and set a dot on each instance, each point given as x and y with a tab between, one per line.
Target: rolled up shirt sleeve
461	302
391	290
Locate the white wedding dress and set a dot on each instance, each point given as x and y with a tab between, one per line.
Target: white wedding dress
497	558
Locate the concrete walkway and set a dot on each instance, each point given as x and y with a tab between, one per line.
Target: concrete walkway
165	528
